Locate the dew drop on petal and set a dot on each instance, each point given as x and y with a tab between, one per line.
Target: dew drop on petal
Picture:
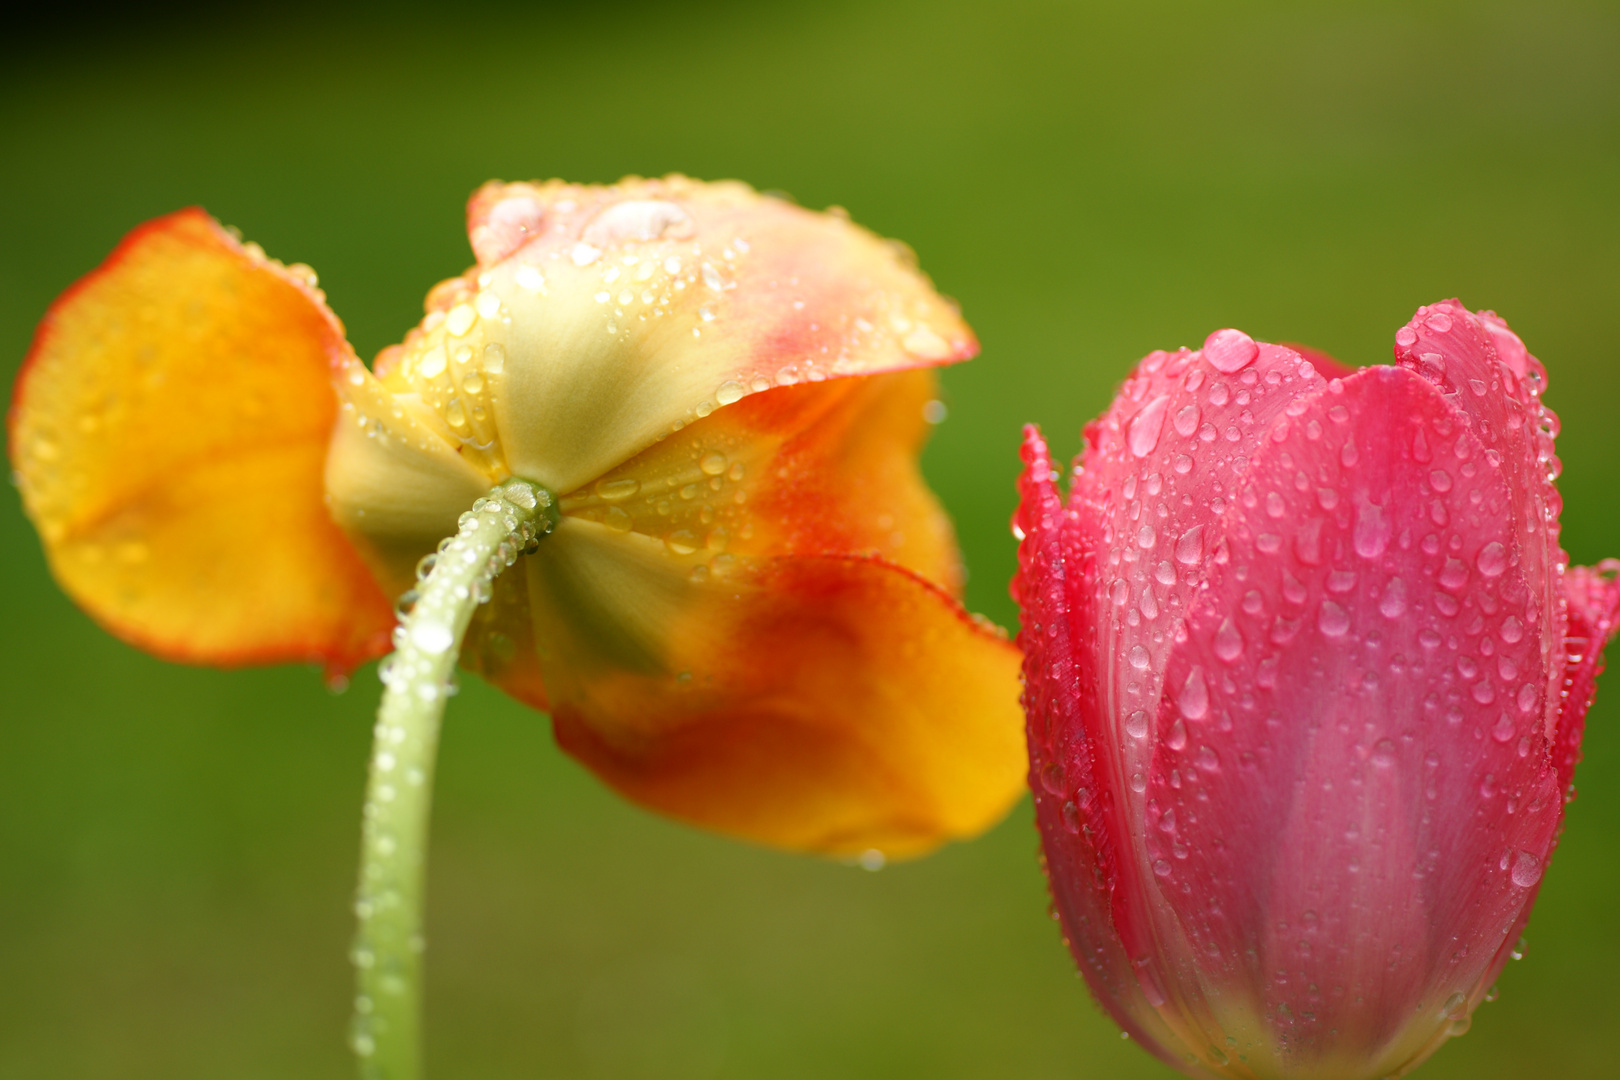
1492	559
1194	697
1186	421
1504	729
1371	534
1228	642
1138	658
1383	754
1136	724
1144	431
1393	603
1453	575
1528	698
1190	548
1526	869
1230	350
1332	620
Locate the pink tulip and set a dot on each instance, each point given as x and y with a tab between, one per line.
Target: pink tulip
1306	675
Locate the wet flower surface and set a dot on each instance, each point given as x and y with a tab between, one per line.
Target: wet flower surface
1306	674
748	615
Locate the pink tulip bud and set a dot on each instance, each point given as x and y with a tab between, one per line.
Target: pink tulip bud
1306	672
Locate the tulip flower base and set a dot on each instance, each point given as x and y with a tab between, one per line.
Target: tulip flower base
507	523
1306	675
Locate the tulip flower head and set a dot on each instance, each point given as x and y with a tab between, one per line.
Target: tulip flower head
1306	675
697	412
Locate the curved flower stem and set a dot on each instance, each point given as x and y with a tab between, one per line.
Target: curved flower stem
388	947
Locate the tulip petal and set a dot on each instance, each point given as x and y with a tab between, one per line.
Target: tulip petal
1318	635
169	431
1395	665
817	469
834	704
1085	831
627	312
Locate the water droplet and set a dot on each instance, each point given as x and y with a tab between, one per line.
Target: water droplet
1143	434
494	358
1383	753
729	392
1308	542
1393	602
1512	629
616	490
1230	350
1186	421
1371	534
1228	642
681	542
1453	575
1504	729
1138	658
713	464
1136	724
1439	322
1146	537
1176	737
1492	559
1406	337
1440	481
433	364
432	638
460	319
1293	589
1332	620
1194	697
1528	698
1526	869
1190	548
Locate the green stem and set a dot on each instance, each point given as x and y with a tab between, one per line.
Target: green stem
388	947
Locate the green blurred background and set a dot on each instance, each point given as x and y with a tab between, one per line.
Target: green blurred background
177	846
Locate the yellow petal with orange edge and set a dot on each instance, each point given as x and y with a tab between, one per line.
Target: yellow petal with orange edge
169	433
624	313
834	704
815	469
